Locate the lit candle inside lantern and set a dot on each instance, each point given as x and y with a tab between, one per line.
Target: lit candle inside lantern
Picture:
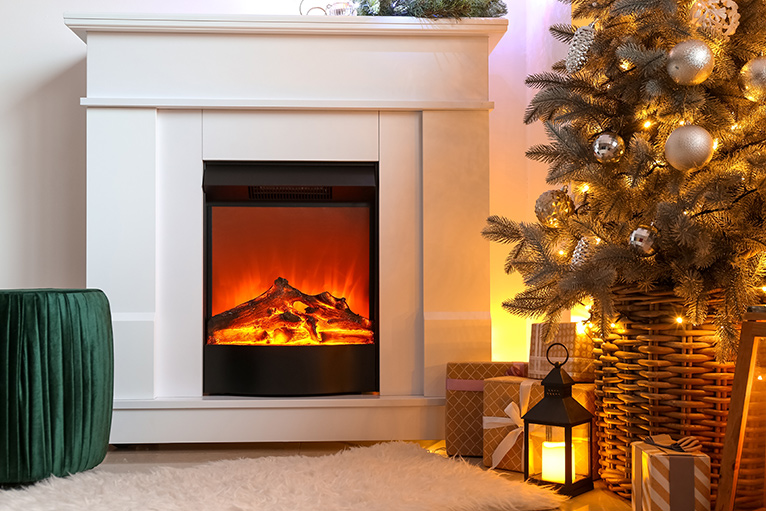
554	468
553	462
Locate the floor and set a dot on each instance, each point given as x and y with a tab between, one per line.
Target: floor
145	457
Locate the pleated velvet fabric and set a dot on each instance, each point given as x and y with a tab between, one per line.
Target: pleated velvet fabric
56	381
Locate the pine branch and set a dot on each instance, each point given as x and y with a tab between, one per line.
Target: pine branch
563	33
501	230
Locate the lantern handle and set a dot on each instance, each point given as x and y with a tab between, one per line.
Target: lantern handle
548	351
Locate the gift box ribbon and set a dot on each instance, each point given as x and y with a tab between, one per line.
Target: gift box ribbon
478	385
514	413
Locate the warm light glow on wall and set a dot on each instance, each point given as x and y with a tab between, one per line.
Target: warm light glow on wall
526	48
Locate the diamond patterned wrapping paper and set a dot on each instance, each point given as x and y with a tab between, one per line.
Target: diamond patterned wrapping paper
504	432
465	384
580	366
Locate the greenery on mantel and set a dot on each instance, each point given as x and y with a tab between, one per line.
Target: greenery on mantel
434	8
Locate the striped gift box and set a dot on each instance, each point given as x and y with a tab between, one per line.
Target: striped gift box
667	480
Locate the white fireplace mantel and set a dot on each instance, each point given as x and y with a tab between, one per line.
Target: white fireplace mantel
166	93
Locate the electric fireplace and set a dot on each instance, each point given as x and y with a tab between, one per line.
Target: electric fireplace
290	278
169	96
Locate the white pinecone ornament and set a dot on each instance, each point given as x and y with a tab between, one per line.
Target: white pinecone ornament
583	251
578	49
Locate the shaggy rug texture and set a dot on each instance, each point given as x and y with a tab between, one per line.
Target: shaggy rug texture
383	477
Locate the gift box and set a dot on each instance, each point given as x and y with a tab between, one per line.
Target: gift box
581	363
465	383
506	400
665	479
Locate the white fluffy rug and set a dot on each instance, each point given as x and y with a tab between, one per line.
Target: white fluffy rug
384	477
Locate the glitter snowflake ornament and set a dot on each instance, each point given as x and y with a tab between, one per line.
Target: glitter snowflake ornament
578	49
719	16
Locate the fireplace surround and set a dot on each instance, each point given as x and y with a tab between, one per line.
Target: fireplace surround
167	93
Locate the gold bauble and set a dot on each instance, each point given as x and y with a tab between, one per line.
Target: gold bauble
689	147
752	79
690	62
552	207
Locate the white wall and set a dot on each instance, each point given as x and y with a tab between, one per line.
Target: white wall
42	136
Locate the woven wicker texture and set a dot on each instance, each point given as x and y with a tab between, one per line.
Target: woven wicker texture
653	376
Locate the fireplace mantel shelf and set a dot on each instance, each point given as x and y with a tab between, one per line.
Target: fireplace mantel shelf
284	104
295	25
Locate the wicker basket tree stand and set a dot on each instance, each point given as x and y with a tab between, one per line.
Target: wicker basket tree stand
653	376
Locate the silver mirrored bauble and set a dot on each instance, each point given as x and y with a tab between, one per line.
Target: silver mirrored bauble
608	147
553	206
644	240
689	147
690	62
752	79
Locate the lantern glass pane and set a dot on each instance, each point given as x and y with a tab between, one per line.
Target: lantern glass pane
581	451
547	450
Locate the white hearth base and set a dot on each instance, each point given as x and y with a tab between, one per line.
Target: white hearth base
168	93
231	419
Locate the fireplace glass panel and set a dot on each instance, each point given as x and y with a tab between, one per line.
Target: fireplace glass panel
291	279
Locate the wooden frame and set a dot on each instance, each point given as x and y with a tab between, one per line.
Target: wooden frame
753	328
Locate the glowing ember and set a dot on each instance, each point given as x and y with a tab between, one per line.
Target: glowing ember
284	315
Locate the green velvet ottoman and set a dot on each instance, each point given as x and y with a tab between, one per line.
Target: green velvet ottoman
56	379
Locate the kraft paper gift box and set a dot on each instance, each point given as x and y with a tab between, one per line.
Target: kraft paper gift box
581	364
465	384
508	398
668	480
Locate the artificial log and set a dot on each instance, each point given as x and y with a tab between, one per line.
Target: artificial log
285	315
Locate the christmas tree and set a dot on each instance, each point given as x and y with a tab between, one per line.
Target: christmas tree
656	122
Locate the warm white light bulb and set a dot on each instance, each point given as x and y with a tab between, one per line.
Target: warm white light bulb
679	319
647	124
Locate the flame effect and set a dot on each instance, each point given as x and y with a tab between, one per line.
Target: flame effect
321	250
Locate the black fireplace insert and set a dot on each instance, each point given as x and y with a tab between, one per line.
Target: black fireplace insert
291	278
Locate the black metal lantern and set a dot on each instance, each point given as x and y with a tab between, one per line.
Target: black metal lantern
557	436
